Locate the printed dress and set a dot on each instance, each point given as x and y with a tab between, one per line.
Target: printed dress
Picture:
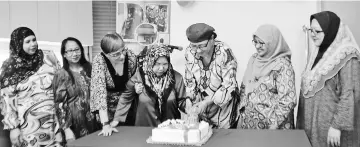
271	102
72	103
29	105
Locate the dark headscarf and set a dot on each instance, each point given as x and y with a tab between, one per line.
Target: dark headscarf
329	23
20	65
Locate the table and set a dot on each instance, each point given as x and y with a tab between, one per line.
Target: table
137	136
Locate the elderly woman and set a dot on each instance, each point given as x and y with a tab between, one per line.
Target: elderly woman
111	70
157	87
26	92
329	103
268	87
72	91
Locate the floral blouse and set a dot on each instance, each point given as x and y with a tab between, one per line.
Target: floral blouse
100	98
271	103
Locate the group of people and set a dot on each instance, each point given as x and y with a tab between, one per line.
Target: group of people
43	104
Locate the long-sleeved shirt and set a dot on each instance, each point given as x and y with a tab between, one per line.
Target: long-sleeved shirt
216	82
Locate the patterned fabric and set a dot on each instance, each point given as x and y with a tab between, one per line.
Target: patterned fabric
100	98
20	65
270	104
336	105
72	103
340	51
157	84
216	82
29	105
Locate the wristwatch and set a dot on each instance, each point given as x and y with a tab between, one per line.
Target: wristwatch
105	123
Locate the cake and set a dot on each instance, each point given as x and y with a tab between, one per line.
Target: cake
180	131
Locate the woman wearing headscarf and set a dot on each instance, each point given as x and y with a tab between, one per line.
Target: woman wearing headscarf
72	92
157	86
27	94
111	70
268	87
329	99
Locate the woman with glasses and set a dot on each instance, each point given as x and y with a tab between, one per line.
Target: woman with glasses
210	77
111	70
158	88
268	87
27	99
329	102
72	91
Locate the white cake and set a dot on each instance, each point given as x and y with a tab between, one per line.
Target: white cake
178	131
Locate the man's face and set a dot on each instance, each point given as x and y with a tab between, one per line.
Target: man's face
201	49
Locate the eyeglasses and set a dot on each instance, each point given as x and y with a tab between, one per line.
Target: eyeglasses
199	46
314	31
255	42
77	50
121	51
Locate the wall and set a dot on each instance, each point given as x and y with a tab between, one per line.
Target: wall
236	21
348	11
51	20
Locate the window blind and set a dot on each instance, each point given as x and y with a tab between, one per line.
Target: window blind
104	21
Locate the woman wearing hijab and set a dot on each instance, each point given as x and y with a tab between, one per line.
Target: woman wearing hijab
159	89
26	92
72	91
268	87
329	99
111	70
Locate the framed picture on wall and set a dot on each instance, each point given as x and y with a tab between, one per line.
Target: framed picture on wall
158	14
129	16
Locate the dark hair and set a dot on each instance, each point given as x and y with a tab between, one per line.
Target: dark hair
83	62
111	42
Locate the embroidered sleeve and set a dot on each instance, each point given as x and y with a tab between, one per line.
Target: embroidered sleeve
286	97
9	108
132	62
98	92
228	70
125	100
190	81
343	118
61	98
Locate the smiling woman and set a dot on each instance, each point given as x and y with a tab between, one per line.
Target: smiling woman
268	86
72	92
26	78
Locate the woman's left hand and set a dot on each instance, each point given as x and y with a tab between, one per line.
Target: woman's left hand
333	137
139	88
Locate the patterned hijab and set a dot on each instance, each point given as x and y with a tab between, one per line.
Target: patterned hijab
342	49
258	66
157	84
20	65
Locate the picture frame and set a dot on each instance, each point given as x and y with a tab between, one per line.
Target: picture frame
129	16
158	14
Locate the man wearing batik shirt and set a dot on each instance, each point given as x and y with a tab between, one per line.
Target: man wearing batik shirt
210	77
